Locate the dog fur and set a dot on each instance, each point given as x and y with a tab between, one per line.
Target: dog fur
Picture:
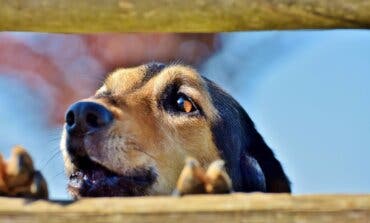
149	134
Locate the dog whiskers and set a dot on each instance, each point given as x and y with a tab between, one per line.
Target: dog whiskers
57	152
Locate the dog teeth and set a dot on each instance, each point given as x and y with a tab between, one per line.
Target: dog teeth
75	175
75	182
76	179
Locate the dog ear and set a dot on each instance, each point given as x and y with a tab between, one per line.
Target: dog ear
231	135
253	177
226	135
250	163
276	180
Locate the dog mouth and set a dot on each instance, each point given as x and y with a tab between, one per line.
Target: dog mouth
94	180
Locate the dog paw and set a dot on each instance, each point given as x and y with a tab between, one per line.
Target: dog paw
195	180
18	178
191	179
217	179
39	188
3	186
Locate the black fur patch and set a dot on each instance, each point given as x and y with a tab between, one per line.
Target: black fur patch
152	70
239	142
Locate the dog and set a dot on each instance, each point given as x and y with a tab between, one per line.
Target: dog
131	138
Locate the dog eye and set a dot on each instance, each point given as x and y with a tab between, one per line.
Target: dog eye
185	104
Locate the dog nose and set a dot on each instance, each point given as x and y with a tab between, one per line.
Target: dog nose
87	117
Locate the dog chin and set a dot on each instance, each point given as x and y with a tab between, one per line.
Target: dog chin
94	180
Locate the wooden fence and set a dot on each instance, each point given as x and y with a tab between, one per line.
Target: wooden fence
249	208
88	16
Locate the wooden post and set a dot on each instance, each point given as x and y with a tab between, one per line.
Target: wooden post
222	208
88	16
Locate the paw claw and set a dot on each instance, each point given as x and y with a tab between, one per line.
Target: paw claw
218	181
195	180
191	180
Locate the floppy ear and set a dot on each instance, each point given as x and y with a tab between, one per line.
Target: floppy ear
250	163
252	174
276	180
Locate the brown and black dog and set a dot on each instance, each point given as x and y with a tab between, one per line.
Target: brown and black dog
131	138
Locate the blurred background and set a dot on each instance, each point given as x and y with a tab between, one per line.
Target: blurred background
308	93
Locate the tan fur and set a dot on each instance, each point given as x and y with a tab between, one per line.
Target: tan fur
17	174
191	179
143	135
3	186
19	178
218	181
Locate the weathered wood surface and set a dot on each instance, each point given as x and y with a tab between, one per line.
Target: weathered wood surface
87	16
224	208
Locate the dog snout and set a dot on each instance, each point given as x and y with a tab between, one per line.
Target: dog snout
87	117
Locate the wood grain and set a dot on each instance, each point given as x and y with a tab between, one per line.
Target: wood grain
203	208
90	16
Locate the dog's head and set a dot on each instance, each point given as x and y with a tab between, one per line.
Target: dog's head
132	136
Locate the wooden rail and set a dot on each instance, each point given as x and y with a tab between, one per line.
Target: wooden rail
223	208
88	16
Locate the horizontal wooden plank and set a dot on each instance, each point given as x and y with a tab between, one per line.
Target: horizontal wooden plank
88	16
203	208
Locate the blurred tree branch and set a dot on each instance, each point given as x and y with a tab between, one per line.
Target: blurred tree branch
87	16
